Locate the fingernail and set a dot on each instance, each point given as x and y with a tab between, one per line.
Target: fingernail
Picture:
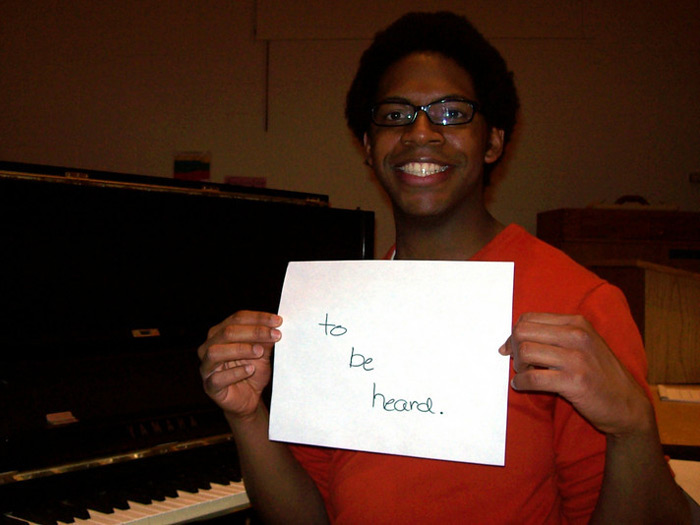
276	334
257	350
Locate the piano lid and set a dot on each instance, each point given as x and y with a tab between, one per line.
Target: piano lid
109	283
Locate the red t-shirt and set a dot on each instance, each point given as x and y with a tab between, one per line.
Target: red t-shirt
554	458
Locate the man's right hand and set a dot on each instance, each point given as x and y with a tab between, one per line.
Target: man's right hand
235	360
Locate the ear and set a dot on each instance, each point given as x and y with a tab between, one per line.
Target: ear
368	149
494	147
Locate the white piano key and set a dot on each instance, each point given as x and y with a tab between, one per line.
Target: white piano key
99	518
220	489
132	514
231	488
197	497
150	509
163	506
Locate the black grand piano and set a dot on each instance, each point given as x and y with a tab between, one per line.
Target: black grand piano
108	283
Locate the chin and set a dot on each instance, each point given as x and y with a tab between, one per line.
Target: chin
423	213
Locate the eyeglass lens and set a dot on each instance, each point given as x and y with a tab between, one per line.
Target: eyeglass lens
442	112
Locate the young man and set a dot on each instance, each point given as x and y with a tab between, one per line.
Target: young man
434	105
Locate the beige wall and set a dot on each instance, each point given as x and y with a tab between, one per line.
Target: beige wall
610	93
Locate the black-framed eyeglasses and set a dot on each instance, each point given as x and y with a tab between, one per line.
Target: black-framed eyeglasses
443	112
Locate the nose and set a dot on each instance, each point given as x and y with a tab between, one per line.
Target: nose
422	131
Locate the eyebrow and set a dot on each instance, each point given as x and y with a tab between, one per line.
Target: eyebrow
402	100
399	100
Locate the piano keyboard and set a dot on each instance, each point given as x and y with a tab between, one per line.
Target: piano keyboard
187	485
186	506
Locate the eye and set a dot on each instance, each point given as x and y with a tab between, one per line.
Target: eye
392	113
395	115
455	112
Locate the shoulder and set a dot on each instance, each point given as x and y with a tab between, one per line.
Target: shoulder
545	277
548	280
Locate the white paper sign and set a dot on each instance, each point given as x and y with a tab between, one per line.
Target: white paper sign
397	357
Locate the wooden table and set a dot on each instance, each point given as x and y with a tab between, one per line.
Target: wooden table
679	426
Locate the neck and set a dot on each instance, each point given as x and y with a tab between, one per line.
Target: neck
427	238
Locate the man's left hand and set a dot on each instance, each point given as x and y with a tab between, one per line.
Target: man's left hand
565	355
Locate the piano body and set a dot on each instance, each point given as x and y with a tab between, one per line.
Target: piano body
108	284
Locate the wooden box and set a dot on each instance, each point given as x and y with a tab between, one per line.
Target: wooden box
670	238
665	303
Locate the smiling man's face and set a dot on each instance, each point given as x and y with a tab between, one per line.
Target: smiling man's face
429	170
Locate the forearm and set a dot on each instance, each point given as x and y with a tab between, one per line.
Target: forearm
638	486
279	488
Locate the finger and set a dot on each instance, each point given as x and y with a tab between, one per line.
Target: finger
250	334
526	331
218	357
254	317
536	355
219	353
225	377
248	317
551	319
573	332
536	325
538	379
241	334
507	347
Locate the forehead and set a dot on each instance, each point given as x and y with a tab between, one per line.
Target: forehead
424	77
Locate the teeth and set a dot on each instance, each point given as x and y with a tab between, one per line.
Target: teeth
422	169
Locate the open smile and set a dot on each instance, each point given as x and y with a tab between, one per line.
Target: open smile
422	169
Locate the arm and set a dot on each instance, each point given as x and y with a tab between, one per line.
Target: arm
235	368
565	355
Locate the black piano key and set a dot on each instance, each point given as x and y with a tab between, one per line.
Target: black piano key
175	478
79	512
67	502
147	493
231	472
59	512
199	472
98	504
91	490
157	492
113	483
151	483
183	484
100	500
119	498
35	516
219	476
163	489
54	511
199	479
137	495
125	485
87	492
148	487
